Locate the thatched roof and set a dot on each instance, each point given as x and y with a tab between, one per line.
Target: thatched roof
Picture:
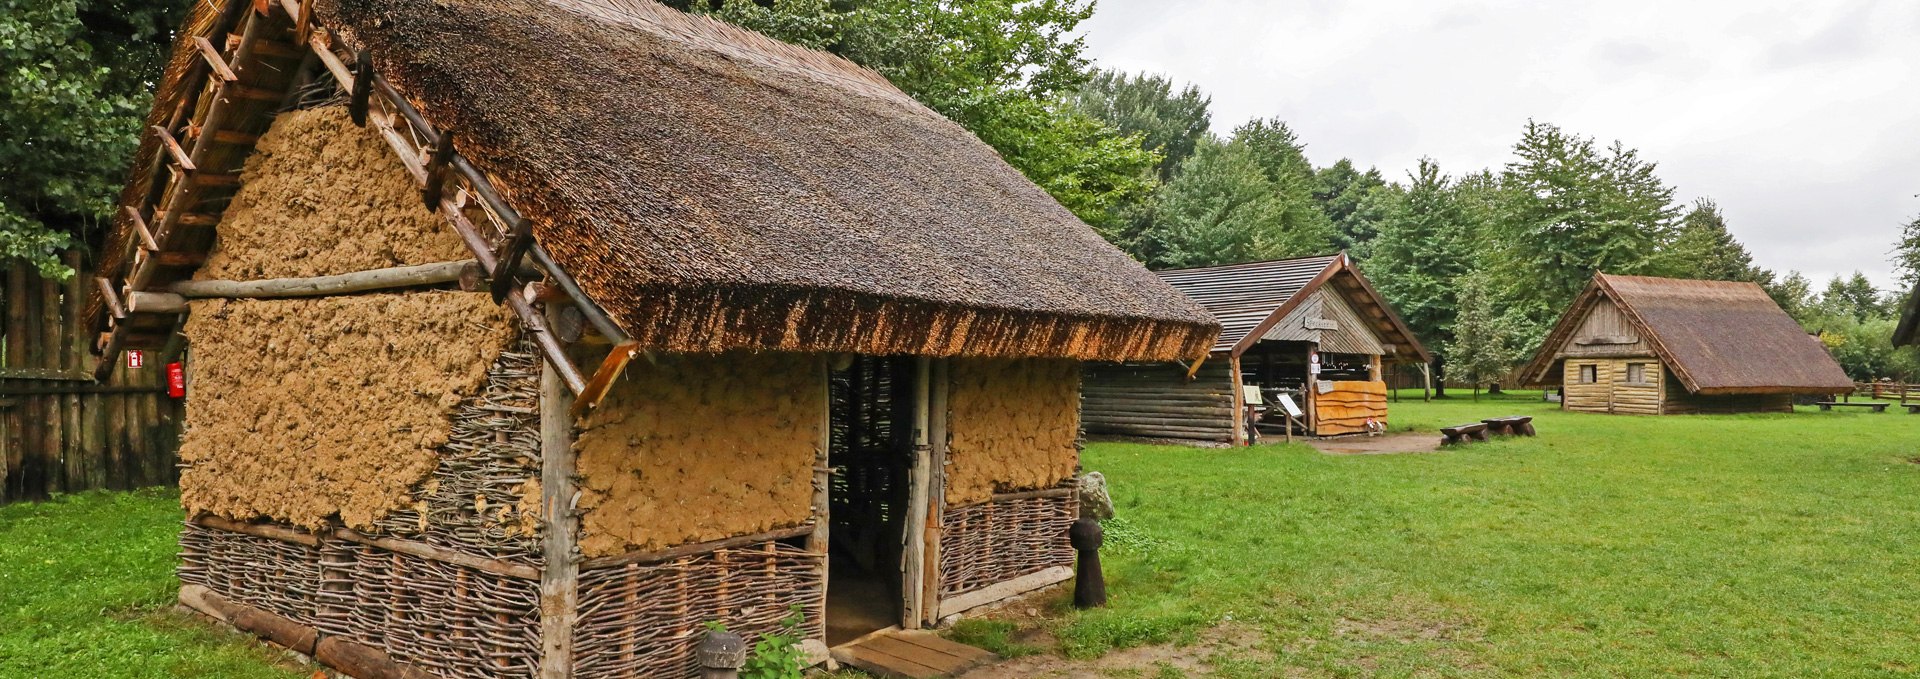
1249	298
1717	337
715	189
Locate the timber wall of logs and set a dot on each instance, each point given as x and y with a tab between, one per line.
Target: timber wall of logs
60	430
1156	400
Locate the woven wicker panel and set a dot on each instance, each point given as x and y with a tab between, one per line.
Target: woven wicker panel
472	501
450	620
992	542
274	576
644	620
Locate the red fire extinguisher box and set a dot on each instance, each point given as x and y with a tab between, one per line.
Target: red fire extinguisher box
176	380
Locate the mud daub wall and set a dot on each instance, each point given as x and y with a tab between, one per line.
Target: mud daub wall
1014	425
320	196
299	410
694	448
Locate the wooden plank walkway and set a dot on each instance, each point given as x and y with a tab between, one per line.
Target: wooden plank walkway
910	654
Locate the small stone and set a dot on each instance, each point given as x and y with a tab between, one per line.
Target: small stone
1095	502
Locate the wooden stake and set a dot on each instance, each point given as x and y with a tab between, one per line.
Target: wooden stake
919	495
559	579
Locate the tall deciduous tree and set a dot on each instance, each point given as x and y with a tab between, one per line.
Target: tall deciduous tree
1572	208
1169	122
1284	160
75	81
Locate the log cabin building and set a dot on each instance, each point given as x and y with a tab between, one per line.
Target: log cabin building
1310	328
526	337
1664	346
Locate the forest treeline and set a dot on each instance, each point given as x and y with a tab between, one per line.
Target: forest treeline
1480	261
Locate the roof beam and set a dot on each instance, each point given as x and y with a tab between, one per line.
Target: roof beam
214	60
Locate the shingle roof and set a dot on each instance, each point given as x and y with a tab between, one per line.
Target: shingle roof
1246	298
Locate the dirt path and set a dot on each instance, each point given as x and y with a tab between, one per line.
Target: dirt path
1379	445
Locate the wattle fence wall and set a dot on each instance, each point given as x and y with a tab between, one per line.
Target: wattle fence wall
60	430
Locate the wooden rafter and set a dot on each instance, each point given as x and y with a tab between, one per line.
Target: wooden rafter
214	61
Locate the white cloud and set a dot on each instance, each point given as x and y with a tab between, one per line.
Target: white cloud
1801	119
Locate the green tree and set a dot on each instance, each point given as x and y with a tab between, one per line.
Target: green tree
997	67
1483	346
1794	294
1423	249
1426	245
1167	122
76	80
1222	209
1853	297
1704	249
1569	209
1284	160
1906	254
1342	192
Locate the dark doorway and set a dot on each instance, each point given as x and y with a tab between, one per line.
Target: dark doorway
870	449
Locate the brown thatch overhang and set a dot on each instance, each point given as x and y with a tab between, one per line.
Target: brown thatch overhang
1249	298
713	189
1717	337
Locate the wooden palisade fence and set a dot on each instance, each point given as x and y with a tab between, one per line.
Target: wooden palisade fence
60	430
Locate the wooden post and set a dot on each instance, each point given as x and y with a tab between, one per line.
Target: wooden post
74	344
936	488
16	357
919	496
823	482
559	579
1239	416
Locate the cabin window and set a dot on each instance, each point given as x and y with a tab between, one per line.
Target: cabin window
1637	373
1589	374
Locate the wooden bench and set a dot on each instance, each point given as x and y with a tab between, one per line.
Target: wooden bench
1517	425
1912	408
1463	433
1877	407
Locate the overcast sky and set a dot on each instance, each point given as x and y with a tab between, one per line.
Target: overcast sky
1802	119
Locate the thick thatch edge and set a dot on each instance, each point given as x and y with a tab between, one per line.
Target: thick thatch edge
697	320
696	317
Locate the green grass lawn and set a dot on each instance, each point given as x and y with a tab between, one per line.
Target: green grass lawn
1775	545
1783	545
86	583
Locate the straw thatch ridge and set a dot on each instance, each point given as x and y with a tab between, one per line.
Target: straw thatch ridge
1718	337
714	189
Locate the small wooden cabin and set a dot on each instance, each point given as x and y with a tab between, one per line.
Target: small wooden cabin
1666	346
1312	329
527	337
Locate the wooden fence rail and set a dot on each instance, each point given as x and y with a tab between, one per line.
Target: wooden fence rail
1893	391
60	430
